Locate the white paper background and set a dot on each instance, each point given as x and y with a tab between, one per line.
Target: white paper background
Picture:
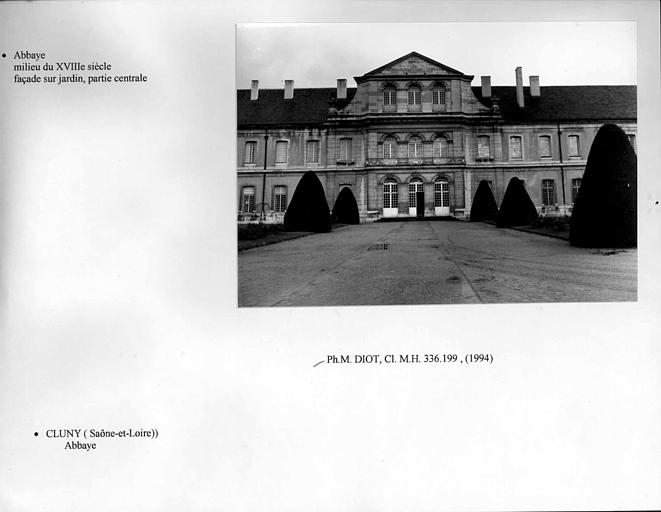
119	307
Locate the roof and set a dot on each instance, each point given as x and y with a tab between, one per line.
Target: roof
378	70
556	103
307	107
565	103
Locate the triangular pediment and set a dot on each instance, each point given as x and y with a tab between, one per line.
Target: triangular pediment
412	64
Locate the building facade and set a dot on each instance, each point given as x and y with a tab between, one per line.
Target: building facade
415	139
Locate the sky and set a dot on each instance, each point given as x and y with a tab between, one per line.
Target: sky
317	54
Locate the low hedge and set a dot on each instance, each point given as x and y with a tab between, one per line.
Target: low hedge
255	231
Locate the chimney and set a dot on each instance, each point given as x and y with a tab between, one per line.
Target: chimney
254	90
341	88
289	89
486	86
534	86
519	86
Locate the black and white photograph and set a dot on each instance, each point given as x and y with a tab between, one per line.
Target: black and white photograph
330	255
493	163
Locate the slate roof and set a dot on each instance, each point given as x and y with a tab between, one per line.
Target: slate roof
307	107
556	103
566	103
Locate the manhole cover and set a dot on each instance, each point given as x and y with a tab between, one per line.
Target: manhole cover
379	247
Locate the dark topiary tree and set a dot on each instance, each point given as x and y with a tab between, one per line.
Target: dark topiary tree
604	213
308	209
484	205
345	209
517	209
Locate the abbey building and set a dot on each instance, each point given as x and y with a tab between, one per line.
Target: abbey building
415	139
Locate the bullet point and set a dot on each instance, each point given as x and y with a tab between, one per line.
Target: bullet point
36	434
4	55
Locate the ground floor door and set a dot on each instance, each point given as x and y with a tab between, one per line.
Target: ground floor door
416	198
420	204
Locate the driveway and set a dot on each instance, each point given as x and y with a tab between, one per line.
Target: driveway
431	262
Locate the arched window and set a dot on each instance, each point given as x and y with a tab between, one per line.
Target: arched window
390	198
390	148
414	97
438	95
389	96
441	148
441	193
415	147
415	186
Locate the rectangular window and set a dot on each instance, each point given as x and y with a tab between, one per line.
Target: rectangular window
548	192
574	149
248	200
346	151
516	151
281	151
544	146
280	199
483	147
312	152
251	149
632	141
575	187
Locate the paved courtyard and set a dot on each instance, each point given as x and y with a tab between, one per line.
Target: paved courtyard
431	262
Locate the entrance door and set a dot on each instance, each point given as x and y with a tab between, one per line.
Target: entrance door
420	206
416	198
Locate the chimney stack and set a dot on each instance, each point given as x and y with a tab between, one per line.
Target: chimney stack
519	86
254	90
289	89
534	86
486	86
341	88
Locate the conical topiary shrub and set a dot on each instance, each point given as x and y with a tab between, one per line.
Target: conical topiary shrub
484	205
345	209
517	209
308	209
604	213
